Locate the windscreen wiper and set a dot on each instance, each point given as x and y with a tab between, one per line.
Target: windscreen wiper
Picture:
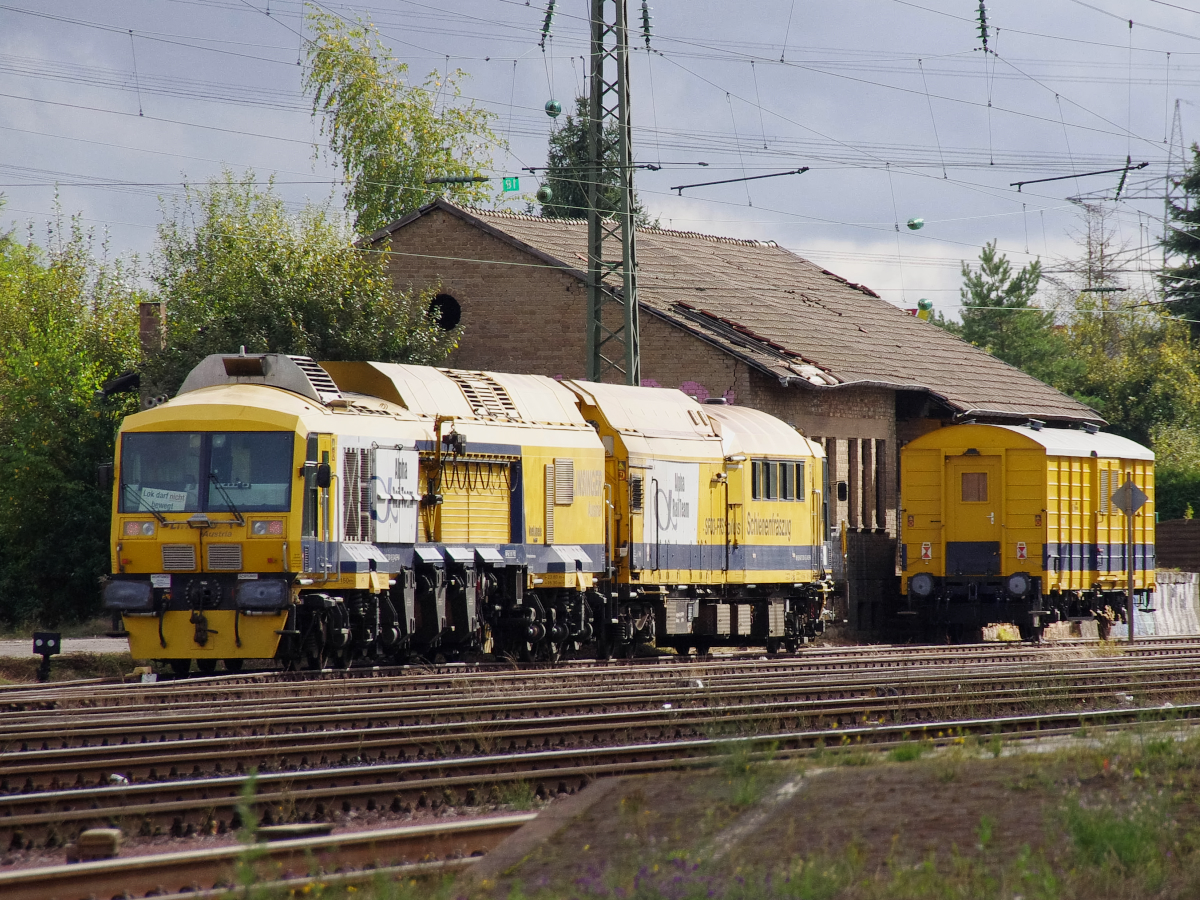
212	476
162	520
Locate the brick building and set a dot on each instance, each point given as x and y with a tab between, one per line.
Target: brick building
742	319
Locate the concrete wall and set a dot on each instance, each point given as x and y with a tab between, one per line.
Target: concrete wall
1176	608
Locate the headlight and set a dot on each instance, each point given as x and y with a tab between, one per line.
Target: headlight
265	527
128	596
139	529
921	585
263	595
1018	585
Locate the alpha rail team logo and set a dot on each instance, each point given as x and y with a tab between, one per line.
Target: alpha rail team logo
672	515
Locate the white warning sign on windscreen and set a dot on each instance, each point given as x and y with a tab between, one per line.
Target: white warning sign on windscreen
672	507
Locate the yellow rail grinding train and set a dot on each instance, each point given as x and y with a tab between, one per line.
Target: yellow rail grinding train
1004	523
314	514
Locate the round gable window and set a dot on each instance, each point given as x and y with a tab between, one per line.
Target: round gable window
446	310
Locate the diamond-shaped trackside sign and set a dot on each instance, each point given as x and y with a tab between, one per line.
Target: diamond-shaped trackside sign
1129	498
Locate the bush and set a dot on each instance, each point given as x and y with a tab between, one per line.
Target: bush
68	323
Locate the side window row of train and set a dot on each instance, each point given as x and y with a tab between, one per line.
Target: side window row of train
770	480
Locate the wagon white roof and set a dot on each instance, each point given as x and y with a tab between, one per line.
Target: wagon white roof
653	422
756	433
1072	442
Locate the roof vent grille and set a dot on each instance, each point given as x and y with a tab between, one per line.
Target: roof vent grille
486	395
319	377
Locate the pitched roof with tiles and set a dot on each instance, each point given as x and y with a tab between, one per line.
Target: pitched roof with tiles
788	316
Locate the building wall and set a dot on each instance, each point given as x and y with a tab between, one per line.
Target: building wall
1177	545
519	316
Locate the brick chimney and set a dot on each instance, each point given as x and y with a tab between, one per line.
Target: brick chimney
152	337
152	326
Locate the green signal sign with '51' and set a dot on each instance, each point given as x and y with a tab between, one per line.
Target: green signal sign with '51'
511	184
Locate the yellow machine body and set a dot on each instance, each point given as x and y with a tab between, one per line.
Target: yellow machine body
280	508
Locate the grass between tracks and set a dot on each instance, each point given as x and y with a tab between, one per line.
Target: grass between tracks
68	667
1106	817
1113	817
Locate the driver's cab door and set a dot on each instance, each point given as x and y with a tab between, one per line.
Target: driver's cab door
318	511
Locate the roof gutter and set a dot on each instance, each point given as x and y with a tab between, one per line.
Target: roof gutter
1024	417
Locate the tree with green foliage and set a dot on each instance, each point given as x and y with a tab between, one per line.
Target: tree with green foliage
567	170
236	269
1140	370
1176	471
1181	283
389	135
999	315
68	324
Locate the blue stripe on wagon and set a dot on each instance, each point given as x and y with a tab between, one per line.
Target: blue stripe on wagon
1107	558
711	557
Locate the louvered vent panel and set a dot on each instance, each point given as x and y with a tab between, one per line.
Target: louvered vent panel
366	471
304	561
351	498
1104	492
178	557
358	467
224	557
318	377
635	493
486	396
549	504
564	481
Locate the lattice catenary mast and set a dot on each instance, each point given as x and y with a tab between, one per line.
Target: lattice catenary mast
612	326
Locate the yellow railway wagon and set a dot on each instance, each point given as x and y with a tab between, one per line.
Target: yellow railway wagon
1004	523
716	530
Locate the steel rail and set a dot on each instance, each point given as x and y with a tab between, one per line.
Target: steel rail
858	657
293	887
105	725
451	782
217	867
207	694
290	750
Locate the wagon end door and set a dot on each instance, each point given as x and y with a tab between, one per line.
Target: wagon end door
973	499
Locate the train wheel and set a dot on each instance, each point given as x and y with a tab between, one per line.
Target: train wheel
234	665
180	666
772	646
206	666
702	650
315	661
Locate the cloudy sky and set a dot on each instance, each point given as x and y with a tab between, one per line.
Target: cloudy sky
893	105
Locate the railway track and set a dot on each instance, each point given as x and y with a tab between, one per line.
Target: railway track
180	695
368	854
91	752
175	757
210	805
93	693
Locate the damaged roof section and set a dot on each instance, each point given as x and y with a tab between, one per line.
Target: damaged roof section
788	317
